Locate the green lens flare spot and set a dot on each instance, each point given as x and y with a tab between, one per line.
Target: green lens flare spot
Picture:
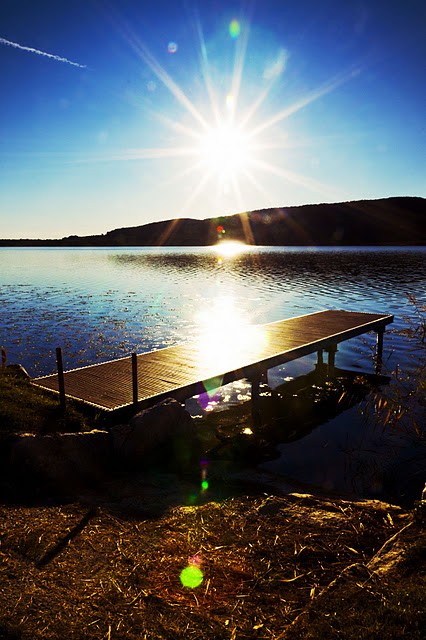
191	577
234	29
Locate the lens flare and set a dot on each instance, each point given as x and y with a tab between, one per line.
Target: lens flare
191	577
208	395
208	402
230	102
204	482
234	29
195	561
172	47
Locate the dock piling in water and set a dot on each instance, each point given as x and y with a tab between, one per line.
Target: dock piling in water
331	351
379	351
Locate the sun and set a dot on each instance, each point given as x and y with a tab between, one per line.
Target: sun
223	144
225	149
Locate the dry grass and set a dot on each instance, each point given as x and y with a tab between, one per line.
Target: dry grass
69	573
26	408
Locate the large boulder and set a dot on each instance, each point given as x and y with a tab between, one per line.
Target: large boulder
63	463
163	434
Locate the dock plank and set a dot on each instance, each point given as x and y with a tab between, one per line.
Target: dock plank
183	368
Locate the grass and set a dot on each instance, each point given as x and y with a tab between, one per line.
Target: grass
375	612
374	609
25	408
401	405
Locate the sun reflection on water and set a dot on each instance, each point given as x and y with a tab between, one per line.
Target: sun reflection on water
227	337
229	248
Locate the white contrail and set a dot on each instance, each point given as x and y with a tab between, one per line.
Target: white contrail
41	53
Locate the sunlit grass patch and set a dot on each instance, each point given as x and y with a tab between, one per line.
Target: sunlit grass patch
27	409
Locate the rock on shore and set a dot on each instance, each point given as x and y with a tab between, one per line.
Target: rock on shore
67	463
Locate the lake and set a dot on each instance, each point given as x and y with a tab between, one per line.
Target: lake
104	303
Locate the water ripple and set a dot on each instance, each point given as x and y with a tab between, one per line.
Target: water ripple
102	304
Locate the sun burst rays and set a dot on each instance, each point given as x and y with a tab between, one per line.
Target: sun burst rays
227	143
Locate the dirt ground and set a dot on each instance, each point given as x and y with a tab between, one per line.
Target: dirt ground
255	562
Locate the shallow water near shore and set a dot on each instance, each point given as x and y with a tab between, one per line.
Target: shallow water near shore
100	304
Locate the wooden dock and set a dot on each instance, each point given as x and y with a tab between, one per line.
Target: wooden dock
183	371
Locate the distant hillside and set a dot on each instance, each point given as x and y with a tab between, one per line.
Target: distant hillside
388	221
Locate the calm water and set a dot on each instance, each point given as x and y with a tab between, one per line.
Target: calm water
99	304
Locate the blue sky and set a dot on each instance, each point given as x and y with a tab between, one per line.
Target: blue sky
122	113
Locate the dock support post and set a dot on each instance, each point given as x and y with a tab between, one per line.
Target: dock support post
331	356
255	400
61	381
134	379
379	351
321	366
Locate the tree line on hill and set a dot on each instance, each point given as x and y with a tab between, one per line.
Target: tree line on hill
398	221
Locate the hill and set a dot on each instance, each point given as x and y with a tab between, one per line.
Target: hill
398	221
